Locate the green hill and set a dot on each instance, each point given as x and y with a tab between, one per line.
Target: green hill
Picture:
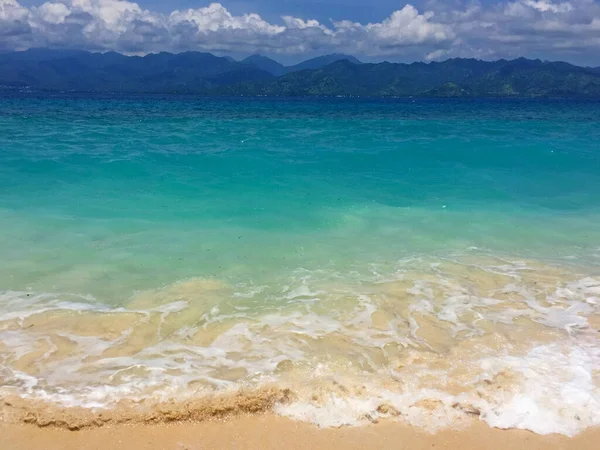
451	78
207	74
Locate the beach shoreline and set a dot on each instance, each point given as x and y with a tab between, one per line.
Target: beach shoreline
238	274
268	431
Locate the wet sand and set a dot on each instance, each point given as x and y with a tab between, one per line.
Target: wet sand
272	432
514	345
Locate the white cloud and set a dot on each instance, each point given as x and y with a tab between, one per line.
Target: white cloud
408	26
215	18
545	6
436	55
11	10
53	13
504	29
299	24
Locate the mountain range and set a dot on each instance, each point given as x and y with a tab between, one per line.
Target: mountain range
329	75
277	69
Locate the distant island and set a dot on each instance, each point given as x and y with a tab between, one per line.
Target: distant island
329	75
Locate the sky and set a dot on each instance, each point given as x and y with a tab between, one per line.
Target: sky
293	30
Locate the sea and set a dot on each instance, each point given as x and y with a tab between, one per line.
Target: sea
429	261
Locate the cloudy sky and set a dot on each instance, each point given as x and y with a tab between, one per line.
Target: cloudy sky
291	30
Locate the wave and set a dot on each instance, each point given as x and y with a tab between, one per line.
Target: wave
433	343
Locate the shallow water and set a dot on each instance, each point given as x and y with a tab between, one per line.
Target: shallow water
424	260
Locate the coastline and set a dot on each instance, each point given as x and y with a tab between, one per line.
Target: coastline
252	275
268	431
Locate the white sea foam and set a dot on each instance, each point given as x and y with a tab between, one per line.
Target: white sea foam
553	390
557	392
427	343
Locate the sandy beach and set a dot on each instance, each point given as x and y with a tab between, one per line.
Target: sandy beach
272	432
329	273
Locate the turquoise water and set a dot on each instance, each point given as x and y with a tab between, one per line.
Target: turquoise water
288	214
136	193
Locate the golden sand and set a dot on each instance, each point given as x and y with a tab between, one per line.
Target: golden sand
264	432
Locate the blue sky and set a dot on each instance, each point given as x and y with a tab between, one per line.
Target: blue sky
291	30
272	10
322	10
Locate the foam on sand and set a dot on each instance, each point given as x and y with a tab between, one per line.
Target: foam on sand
432	343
